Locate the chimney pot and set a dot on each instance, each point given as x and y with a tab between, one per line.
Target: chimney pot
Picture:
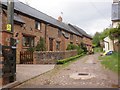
60	18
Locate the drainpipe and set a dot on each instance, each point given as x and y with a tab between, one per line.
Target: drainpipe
45	33
46	26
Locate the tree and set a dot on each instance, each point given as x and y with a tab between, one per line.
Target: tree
41	45
96	39
104	34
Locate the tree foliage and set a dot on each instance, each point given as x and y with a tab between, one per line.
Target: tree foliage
96	40
104	34
80	48
114	33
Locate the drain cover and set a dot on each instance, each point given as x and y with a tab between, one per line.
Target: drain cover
82	76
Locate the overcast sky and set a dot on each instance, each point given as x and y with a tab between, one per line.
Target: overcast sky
90	15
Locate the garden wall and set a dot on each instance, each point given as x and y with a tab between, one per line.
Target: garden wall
50	57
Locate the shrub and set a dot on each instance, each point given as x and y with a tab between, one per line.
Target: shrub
41	45
79	50
31	49
71	47
83	47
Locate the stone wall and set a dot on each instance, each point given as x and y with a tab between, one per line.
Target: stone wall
50	57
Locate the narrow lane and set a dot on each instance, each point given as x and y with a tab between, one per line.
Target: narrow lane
66	77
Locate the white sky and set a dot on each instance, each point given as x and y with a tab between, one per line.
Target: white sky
90	15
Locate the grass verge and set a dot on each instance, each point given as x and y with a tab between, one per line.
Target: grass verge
111	61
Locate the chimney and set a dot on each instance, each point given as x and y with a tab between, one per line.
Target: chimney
60	18
115	1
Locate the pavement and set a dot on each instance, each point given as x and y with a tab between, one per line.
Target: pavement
27	72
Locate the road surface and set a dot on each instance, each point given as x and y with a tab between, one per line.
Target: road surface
91	74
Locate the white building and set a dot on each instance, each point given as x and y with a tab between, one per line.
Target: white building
108	44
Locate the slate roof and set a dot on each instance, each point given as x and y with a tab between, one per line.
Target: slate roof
74	29
116	11
28	10
80	31
18	19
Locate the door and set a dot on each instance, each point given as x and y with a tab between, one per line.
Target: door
50	44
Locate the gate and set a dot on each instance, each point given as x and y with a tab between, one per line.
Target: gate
9	64
26	57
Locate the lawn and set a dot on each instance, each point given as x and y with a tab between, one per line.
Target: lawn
111	61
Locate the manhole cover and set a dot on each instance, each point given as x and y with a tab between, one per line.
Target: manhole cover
82	75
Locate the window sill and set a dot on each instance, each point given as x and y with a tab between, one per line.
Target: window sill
38	30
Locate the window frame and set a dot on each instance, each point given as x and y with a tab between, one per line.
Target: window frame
37	25
30	43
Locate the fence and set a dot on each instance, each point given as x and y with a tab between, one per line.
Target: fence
26	57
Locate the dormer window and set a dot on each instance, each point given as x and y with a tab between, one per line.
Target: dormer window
37	25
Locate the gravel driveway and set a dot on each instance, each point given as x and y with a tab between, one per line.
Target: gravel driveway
60	77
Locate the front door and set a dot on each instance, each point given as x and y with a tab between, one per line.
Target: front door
50	44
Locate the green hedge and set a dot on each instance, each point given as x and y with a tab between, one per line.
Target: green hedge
68	59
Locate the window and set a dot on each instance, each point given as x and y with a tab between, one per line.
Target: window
71	36
66	35
77	37
57	45
71	42
28	41
59	33
37	25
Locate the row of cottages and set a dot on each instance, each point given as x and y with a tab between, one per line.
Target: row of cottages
108	43
31	24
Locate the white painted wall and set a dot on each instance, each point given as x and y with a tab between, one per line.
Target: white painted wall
109	45
115	24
